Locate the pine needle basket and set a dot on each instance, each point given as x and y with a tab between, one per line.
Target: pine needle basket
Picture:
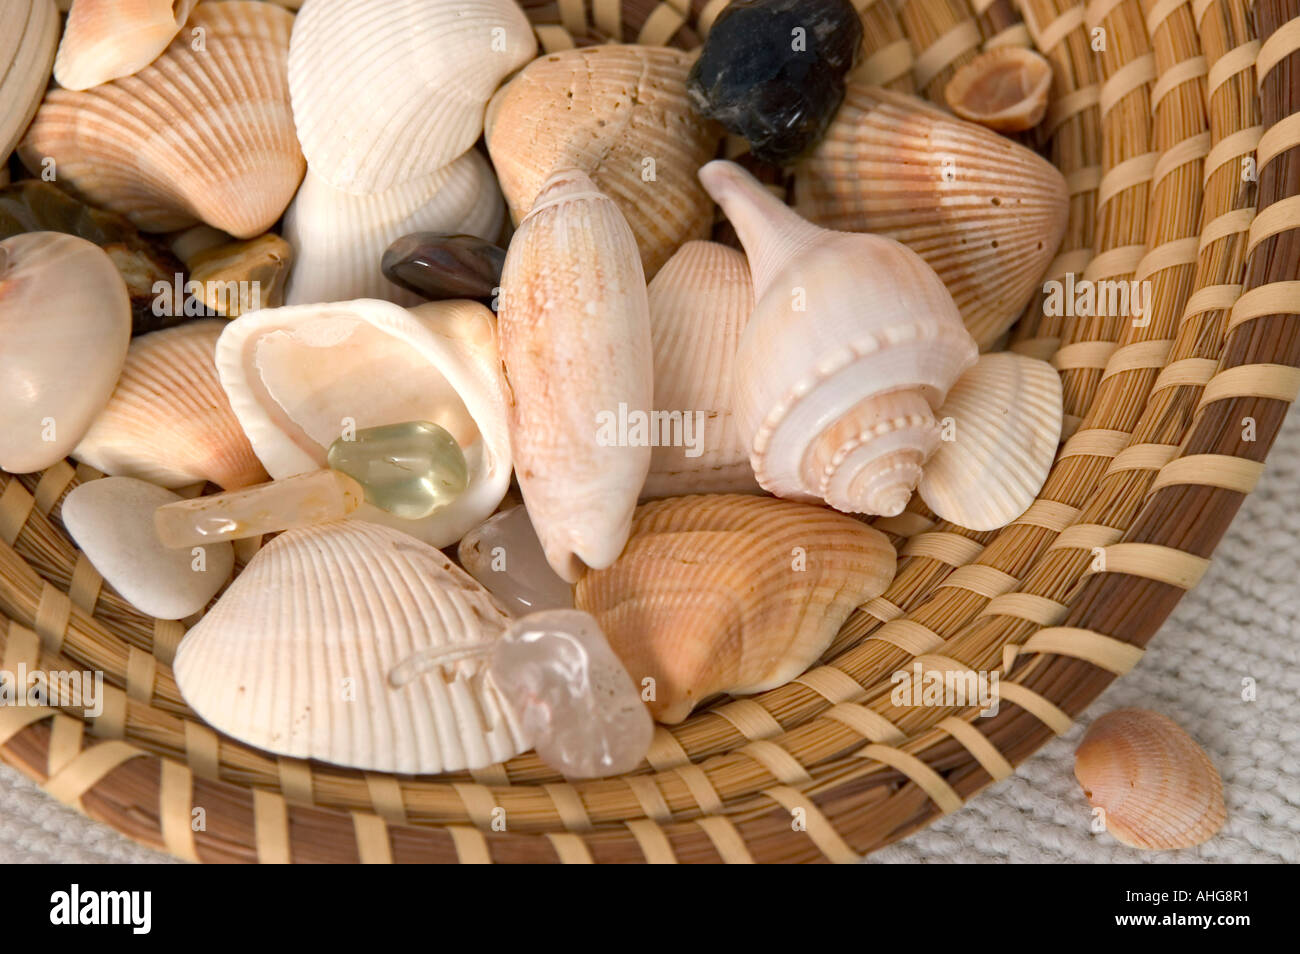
1177	126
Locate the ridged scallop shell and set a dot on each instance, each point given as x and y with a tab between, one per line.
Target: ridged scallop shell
27	45
731	593
985	213
108	39
620	114
1006	414
369	597
1004	89
387	92
196	135
339	238
700	303
168	421
299	376
1157	787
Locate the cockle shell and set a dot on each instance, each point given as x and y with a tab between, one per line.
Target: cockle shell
339	238
700	303
27	45
369	598
1006	414
985	213
621	115
65	323
1157	787
731	593
852	344
168	421
302	376
388	92
205	132
1004	89
575	346
108	39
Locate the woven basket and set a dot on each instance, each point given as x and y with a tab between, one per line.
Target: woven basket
1167	428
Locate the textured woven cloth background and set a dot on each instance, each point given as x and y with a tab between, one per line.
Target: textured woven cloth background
1242	621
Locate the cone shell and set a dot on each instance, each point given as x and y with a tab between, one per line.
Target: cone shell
27	45
339	238
620	114
700	303
108	39
200	134
988	223
369	597
731	593
1004	89
168	421
1006	415
388	92
1157	787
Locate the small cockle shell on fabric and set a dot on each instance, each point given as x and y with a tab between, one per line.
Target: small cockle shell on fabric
27	44
296	657
388	92
731	593
204	133
1157	787
1004	88
1000	426
620	114
108	39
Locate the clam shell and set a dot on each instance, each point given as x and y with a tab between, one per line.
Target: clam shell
168	421
1006	415
199	134
339	238
1004	89
388	92
108	39
1157	787
620	114
301	375
731	593
27	45
369	597
988	223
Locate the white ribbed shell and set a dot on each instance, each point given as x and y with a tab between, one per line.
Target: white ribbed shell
27	44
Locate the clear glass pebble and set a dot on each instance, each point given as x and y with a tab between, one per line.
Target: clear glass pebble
410	470
504	554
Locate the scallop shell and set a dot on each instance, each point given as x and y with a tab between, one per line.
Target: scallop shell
620	114
27	45
370	597
700	303
340	238
1005	89
575	345
1006	415
168	421
731	593
108	39
200	134
1157	787
985	213
388	92
298	377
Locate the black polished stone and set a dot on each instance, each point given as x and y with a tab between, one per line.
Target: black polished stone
440	266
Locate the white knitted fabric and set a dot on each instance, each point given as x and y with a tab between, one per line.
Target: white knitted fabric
1242	621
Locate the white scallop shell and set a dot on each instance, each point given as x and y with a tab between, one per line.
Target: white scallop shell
107	39
27	44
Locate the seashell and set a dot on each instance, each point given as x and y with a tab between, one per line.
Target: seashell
199	134
108	39
620	114
852	344
27	45
240	277
301	376
1004	89
370	597
985	213
1006	415
731	593
386	93
574	310
1157	787
65	320
700	303
168	421
339	238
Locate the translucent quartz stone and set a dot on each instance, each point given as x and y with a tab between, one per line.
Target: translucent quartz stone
409	469
571	694
504	554
300	501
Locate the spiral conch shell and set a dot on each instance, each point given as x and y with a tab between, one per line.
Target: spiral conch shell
852	345
27	45
108	39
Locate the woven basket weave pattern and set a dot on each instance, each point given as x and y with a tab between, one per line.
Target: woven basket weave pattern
1152	127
